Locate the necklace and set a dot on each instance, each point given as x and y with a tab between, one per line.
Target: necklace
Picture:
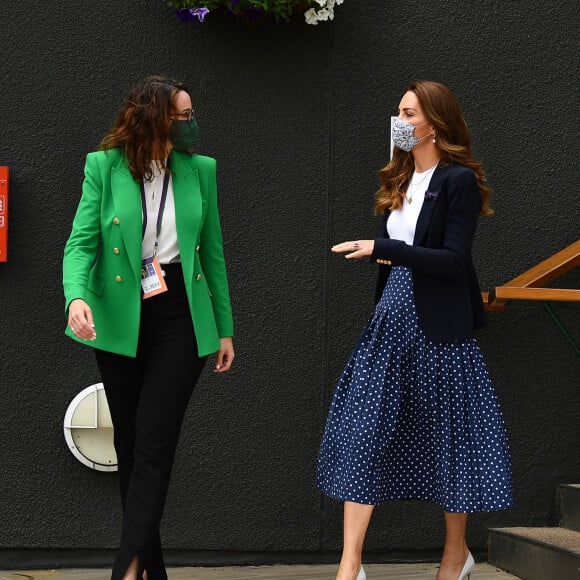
156	180
414	185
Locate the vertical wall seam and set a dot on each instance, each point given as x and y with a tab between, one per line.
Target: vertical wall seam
328	240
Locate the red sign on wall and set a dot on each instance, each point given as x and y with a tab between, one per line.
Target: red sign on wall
3	214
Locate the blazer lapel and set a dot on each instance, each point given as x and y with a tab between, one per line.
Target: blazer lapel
126	196
426	212
188	209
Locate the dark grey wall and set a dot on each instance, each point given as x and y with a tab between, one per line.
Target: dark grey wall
298	118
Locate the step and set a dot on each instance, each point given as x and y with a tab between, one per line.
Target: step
569	496
536	553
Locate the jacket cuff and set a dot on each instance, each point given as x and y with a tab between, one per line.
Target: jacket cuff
380	252
71	294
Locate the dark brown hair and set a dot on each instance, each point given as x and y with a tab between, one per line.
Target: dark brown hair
442	110
142	125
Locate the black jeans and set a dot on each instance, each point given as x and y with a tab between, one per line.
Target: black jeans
148	396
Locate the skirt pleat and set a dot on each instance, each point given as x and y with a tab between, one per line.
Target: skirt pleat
413	419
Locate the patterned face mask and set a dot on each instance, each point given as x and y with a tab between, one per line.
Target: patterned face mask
403	135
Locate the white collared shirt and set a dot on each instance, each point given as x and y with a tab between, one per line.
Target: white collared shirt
168	250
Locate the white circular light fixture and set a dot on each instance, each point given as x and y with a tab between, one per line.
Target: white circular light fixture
88	429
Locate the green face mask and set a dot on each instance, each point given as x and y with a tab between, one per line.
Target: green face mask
184	134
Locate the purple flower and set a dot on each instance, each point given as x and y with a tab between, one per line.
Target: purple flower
201	13
189	14
185	14
431	195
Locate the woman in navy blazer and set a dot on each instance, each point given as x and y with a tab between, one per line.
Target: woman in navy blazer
414	415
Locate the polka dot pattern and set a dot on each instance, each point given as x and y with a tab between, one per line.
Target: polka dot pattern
413	419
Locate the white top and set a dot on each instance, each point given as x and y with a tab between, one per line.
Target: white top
168	250
402	222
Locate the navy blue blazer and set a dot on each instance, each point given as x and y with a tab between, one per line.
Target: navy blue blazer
447	295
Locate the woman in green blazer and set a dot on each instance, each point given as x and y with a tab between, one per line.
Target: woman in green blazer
145	285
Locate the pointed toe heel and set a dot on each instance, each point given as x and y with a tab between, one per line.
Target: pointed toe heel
361	574
468	568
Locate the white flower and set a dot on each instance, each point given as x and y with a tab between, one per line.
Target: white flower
326	11
323	14
311	17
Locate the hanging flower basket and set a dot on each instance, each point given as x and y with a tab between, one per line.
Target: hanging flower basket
313	11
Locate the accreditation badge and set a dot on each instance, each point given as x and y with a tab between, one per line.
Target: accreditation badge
152	280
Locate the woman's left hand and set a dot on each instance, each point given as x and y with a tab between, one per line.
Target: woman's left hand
224	357
357	248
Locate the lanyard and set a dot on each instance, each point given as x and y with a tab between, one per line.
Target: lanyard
161	209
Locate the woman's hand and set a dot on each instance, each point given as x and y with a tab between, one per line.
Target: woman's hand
80	320
357	249
224	357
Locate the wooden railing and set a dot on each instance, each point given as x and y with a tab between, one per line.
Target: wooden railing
530	286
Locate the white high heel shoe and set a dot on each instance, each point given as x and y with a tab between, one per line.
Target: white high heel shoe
468	568
361	574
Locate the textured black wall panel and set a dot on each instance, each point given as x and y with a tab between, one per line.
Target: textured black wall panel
298	118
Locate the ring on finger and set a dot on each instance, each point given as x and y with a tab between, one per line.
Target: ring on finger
356	244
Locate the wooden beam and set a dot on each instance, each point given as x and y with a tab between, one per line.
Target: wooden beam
492	305
549	294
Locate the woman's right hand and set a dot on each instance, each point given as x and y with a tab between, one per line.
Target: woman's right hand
80	320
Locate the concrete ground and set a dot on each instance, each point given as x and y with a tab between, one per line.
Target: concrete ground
483	571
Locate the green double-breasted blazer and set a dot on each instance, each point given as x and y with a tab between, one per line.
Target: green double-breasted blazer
102	257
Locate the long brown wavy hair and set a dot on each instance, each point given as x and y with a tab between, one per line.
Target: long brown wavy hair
442	110
142	125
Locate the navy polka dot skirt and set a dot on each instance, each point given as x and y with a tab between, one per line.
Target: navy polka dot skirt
413	419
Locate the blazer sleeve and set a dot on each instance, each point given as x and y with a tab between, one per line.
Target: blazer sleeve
384	270
453	258
82	247
213	261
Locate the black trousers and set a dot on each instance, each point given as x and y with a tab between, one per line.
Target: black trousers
148	396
